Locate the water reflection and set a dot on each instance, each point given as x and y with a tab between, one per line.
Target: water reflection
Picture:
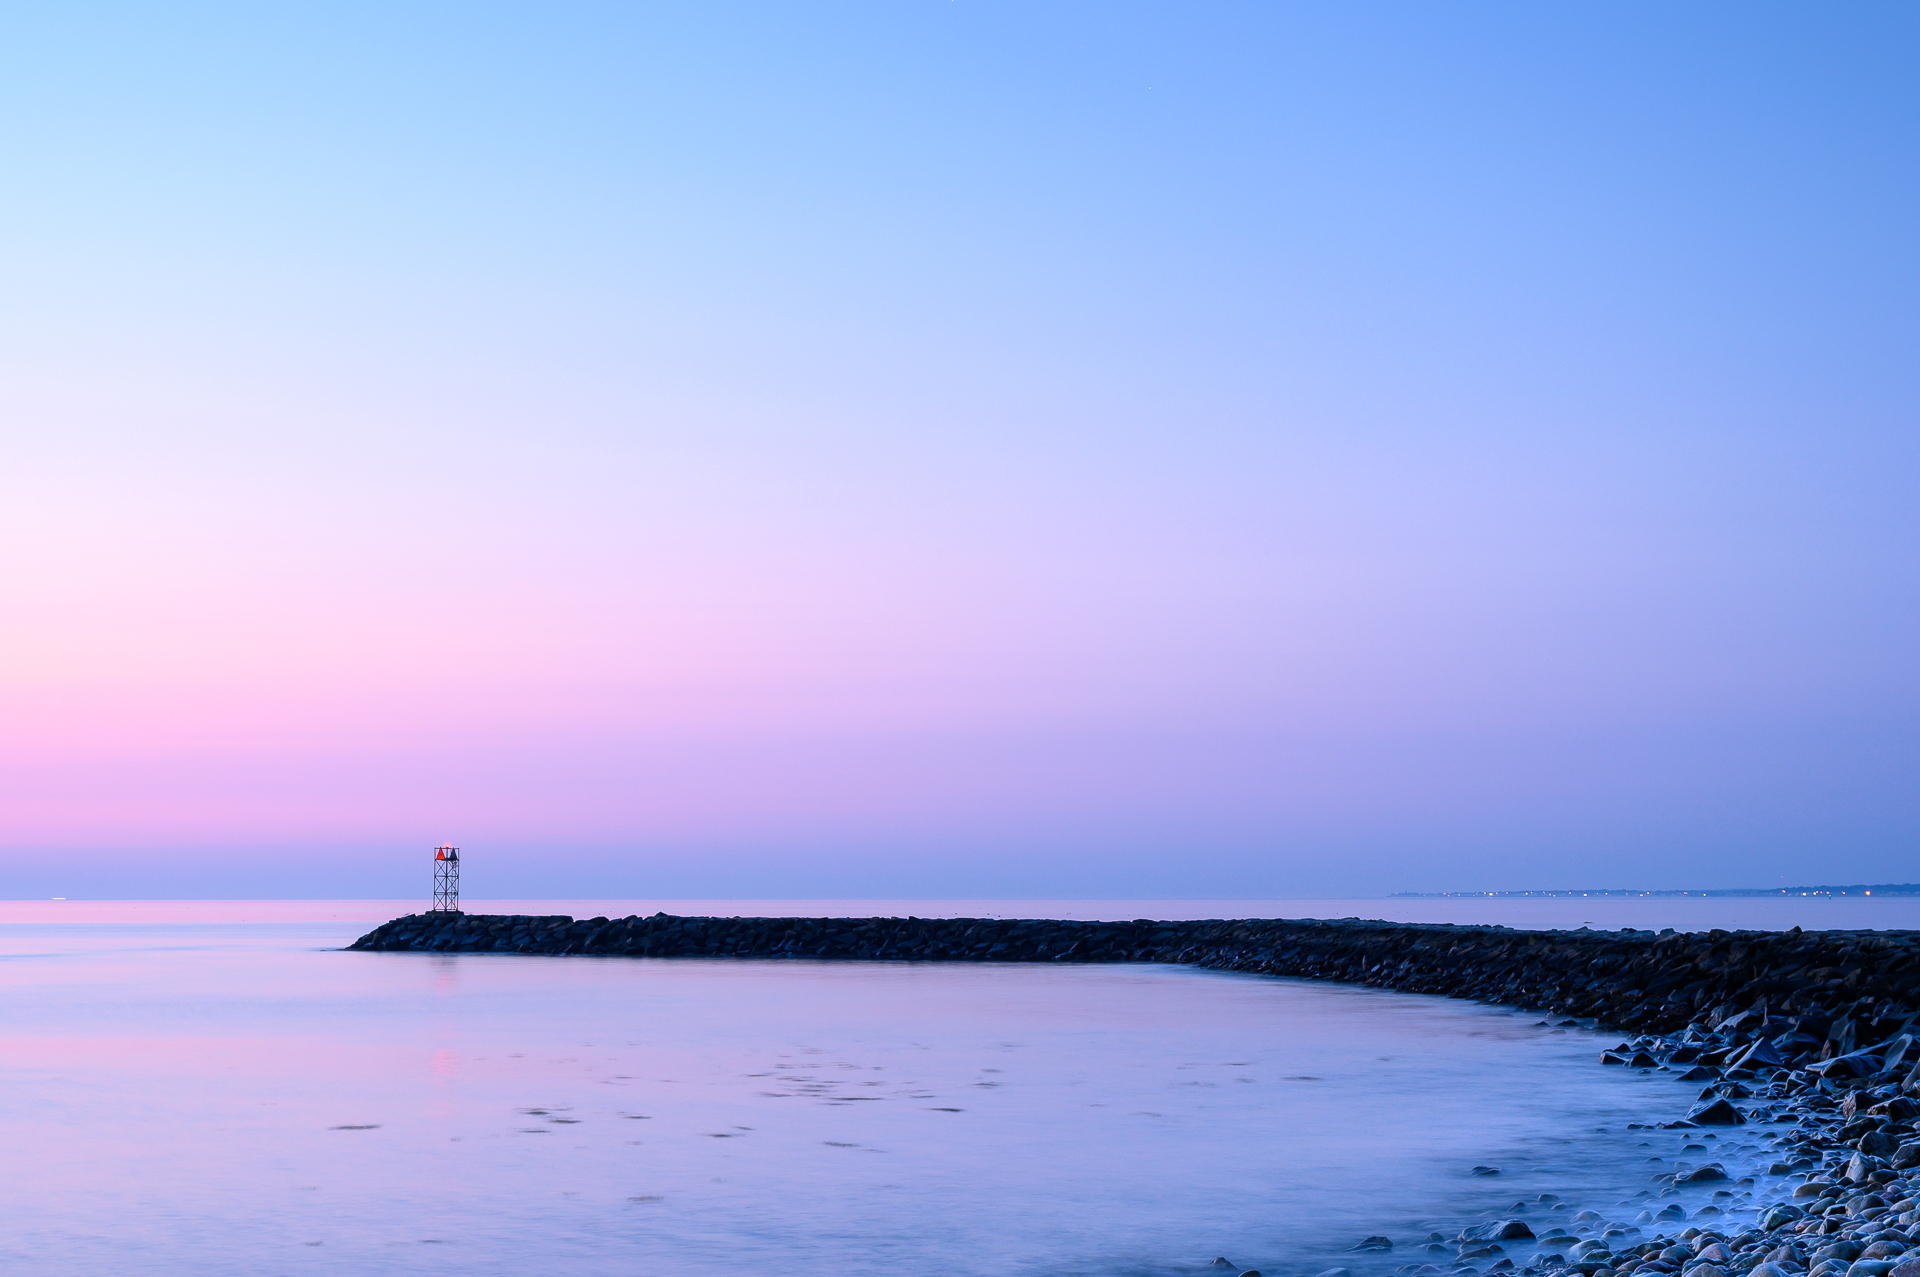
239	1099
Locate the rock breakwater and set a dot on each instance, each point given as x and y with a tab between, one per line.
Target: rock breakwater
1837	989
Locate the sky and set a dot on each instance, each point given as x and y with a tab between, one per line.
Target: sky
952	448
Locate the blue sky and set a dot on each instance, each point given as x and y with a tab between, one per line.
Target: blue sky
951	448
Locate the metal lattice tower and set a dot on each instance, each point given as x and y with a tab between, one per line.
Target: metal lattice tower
446	879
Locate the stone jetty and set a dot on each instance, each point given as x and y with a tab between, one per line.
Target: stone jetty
1835	989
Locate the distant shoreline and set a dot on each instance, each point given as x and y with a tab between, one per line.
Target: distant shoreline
1859	889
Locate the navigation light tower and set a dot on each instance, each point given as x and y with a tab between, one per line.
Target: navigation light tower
446	879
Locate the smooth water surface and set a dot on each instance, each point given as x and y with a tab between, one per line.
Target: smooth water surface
241	1097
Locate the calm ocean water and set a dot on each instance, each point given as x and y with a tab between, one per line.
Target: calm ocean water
214	1088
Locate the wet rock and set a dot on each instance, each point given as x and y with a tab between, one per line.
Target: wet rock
1860	1064
1486	1170
1869	1268
1761	1054
1780	1216
1865	1202
1372	1243
1702	1174
1715	1112
1770	1269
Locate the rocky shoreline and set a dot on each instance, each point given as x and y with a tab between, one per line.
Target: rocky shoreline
1803	1036
1836	1200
